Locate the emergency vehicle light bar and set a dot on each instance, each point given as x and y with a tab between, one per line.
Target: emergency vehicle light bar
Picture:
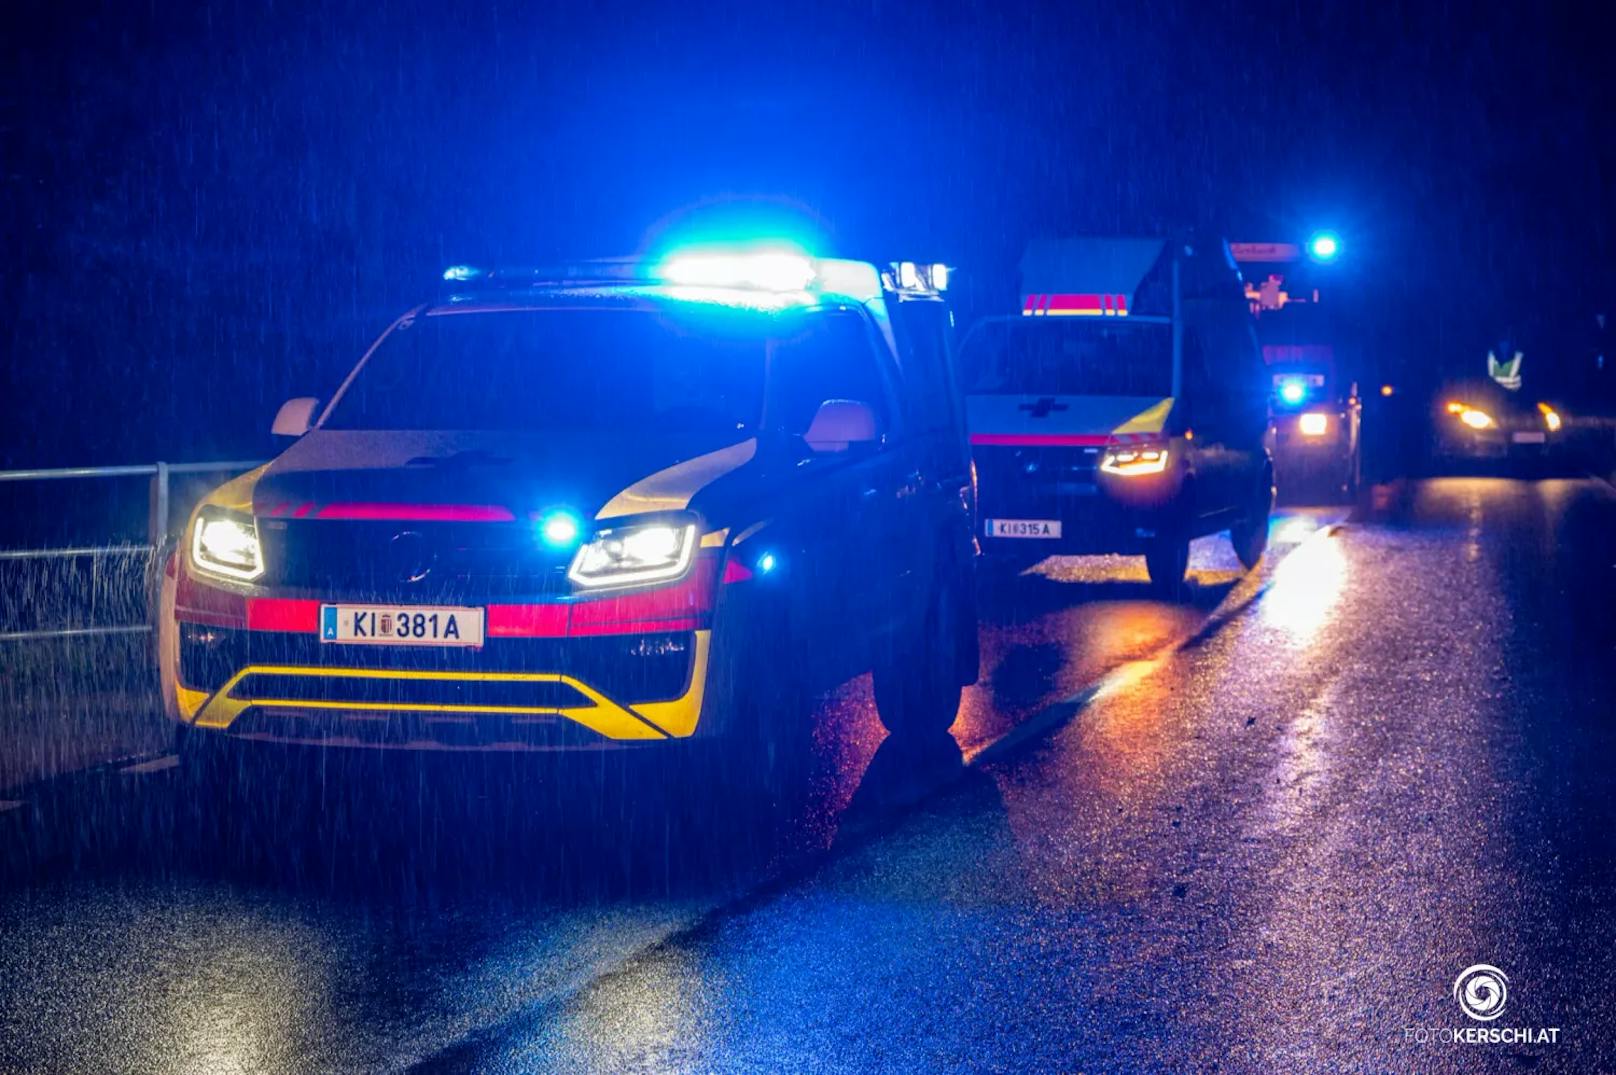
781	272
1076	305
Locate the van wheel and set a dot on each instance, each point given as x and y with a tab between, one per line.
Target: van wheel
918	680
1167	560
1250	535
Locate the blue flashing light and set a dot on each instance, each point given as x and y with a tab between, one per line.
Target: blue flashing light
764	268
766	563
1324	246
456	274
560	529
1293	390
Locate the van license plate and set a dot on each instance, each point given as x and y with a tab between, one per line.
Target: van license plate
1024	528
401	625
1529	438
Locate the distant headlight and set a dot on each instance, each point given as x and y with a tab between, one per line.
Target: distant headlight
629	555
1130	462
1476	419
226	543
1313	424
1551	417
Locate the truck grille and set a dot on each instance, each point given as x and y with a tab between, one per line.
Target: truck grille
411	561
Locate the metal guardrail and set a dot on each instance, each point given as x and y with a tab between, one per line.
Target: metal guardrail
157	527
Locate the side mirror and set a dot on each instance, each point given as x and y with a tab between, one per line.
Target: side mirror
294	417
840	424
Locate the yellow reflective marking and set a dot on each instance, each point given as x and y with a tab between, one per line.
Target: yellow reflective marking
673	488
679	717
605	717
1150	420
189	701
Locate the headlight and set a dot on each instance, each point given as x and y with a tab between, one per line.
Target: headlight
1551	417
1313	425
1476	419
627	555
225	543
1129	462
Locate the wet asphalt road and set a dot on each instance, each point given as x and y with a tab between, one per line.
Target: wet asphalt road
1259	831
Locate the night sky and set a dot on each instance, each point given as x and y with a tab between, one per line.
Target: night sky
208	210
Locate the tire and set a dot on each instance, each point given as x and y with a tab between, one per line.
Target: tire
1250	536
1167	561
919	679
760	739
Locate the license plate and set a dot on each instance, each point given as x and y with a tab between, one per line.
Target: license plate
1024	528
401	625
1529	438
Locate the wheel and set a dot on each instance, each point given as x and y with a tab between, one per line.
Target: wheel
1167	560
1250	536
754	735
918	680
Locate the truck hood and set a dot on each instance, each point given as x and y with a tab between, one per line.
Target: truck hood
488	476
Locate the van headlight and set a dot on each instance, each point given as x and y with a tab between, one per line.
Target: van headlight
226	543
1130	462
630	555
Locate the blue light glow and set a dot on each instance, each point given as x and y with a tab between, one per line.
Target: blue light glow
461	273
766	268
1292	390
1324	246
766	563
559	529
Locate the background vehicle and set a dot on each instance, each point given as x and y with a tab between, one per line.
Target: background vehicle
1479	419
1125	410
1314	403
603	504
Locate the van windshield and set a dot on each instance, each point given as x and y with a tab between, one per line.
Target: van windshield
1069	357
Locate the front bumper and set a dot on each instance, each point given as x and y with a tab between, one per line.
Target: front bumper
1498	444
610	671
416	708
1098	513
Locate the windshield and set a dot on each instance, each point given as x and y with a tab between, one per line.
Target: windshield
625	370
1069	357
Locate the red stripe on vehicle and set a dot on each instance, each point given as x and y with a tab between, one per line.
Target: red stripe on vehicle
1085	303
282	614
682	623
197	602
527	621
439	513
1027	440
688	600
